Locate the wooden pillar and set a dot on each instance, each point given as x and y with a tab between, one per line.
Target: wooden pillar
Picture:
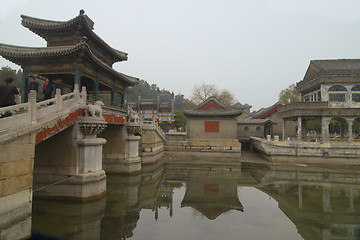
78	76
123	99
96	88
24	86
112	101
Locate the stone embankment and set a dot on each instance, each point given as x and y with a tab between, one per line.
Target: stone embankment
347	153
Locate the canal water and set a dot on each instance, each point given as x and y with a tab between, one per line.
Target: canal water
201	199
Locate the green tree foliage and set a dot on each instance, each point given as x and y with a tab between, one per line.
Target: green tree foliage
314	125
165	126
143	89
204	91
8	72
181	103
289	95
180	120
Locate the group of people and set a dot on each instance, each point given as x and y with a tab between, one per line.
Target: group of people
8	91
47	90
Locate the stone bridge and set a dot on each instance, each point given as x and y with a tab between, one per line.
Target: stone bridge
55	149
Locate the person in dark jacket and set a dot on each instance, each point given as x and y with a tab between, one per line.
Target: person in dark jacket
8	92
33	85
48	88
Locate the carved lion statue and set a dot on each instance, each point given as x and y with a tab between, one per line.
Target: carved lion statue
95	110
133	116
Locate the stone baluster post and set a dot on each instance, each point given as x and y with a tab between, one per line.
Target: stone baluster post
59	100
77	93
32	106
83	96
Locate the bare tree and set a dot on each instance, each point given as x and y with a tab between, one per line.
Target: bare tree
204	91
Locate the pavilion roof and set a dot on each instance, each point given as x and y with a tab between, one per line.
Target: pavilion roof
24	55
46	28
212	107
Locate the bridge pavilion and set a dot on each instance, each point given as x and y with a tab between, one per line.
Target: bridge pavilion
75	54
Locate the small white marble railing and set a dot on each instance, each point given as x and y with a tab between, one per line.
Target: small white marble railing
153	125
31	113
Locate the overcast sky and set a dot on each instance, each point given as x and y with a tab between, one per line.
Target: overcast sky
253	48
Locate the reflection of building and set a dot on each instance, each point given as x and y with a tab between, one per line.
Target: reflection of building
329	91
322	205
164	199
211	195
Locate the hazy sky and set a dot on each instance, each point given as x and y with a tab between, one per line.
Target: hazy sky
253	48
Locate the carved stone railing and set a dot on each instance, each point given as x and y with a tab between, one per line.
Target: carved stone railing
145	124
30	114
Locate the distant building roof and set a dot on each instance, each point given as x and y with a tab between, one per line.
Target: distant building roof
250	121
264	112
212	107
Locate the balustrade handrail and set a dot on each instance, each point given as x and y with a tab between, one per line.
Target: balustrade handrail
157	127
303	105
26	114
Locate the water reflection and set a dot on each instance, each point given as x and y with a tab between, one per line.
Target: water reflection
210	200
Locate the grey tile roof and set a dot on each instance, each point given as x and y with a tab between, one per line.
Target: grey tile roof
331	67
43	28
264	111
19	55
225	111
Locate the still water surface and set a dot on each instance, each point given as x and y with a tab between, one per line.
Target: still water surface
201	200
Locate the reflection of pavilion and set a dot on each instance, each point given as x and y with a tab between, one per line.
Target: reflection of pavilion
164	199
211	195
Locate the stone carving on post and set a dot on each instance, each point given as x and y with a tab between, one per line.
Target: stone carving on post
94	110
132	159
91	176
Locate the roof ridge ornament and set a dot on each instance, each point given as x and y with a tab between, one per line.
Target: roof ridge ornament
84	39
81	12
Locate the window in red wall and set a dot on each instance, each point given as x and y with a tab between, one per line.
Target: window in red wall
211	189
211	126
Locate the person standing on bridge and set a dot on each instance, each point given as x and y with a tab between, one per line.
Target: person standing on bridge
7	94
33	85
48	88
